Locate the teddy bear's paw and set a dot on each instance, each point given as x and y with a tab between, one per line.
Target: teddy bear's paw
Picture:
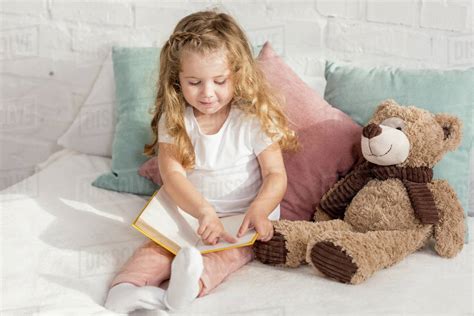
273	251
333	261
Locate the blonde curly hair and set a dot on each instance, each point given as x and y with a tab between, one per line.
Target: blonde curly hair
205	32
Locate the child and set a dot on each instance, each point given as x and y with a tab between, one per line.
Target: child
220	133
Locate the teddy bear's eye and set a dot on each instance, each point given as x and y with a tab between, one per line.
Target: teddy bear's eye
394	122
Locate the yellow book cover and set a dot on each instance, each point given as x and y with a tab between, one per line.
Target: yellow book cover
165	223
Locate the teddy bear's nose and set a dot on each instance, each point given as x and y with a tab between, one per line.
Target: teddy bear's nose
371	130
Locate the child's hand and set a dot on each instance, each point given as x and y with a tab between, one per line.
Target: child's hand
211	229
262	224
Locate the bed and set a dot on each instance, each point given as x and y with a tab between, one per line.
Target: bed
63	240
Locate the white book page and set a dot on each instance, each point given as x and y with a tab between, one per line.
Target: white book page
166	218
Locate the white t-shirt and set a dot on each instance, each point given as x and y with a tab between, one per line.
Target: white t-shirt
227	172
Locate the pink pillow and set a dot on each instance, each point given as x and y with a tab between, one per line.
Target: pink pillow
329	139
151	171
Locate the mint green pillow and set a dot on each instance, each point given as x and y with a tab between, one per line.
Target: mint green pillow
136	73
357	92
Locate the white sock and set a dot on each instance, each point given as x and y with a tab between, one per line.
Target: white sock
186	271
127	297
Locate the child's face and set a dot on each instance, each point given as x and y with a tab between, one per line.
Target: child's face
206	81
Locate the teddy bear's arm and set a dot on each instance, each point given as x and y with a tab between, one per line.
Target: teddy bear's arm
336	200
450	230
320	215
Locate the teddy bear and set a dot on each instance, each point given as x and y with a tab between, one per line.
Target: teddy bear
383	210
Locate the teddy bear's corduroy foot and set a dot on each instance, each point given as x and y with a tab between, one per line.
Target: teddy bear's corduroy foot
272	252
332	261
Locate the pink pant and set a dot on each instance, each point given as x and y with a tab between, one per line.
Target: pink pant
151	265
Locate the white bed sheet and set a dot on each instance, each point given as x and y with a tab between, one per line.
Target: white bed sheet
63	240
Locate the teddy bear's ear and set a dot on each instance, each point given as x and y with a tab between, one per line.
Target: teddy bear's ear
452	128
386	104
384	109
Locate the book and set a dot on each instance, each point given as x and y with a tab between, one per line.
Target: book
164	222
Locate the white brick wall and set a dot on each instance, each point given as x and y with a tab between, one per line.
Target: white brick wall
101	13
393	11
445	16
384	40
51	50
351	9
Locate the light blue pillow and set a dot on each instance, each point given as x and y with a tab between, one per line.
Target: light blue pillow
357	92
136	73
